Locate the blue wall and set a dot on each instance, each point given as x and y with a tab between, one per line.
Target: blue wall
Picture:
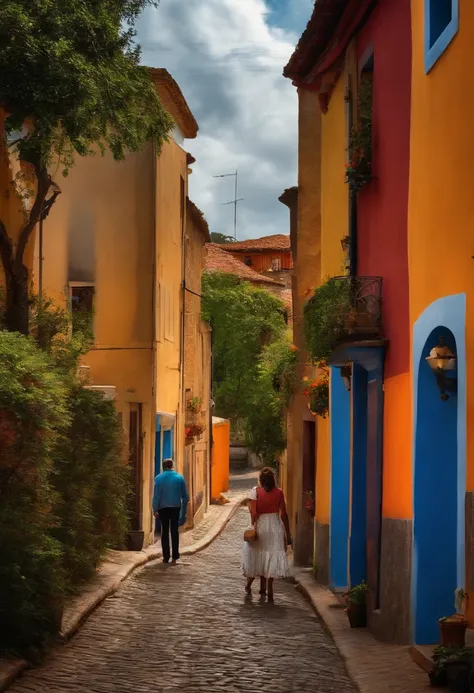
439	472
358	562
340	414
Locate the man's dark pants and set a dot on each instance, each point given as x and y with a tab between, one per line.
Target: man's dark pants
169	521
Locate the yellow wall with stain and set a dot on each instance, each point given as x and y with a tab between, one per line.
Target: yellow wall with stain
441	213
334	226
101	231
335	192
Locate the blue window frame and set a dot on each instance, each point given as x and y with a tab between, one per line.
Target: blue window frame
441	26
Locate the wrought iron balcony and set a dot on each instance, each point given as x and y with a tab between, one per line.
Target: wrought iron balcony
360	314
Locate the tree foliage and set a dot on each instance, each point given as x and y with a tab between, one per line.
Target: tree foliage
70	83
33	417
221	238
63	483
72	68
244	320
254	361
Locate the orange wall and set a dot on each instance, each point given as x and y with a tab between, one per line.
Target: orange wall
441	213
220	458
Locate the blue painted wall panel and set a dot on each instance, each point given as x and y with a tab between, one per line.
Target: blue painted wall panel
358	555
340	414
439	471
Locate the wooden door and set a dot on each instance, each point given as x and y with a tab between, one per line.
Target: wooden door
374	488
136	465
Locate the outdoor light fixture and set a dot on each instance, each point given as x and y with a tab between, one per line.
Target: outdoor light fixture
346	374
442	361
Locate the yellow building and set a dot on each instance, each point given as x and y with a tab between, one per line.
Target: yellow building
197	368
114	242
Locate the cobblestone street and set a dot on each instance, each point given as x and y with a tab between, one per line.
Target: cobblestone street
189	628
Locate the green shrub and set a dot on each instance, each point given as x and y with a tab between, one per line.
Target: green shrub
325	317
92	484
33	418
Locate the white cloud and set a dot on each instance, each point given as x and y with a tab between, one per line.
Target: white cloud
228	61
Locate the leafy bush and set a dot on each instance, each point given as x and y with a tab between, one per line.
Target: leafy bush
276	383
244	321
317	393
325	316
33	418
63	484
92	484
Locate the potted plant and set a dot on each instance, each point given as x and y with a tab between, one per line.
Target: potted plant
356	605
453	628
135	540
359	168
317	393
452	666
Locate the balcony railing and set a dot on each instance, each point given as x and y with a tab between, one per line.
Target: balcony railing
360	314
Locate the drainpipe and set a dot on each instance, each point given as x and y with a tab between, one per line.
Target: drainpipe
211	411
353	233
183	303
154	343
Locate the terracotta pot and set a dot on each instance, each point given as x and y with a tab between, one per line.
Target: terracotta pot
357	615
135	541
453	632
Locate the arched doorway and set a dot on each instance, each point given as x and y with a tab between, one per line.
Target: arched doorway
439	472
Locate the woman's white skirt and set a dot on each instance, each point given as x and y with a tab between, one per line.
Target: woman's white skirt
266	557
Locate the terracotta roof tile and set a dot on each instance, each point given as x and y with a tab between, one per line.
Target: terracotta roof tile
218	260
278	242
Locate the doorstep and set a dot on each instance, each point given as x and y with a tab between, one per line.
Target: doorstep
422	654
374	666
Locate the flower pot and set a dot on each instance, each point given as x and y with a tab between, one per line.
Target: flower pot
453	632
135	541
357	615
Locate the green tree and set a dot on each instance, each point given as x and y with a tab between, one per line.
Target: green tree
221	238
70	72
244	321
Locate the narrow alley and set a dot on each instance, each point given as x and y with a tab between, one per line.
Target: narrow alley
189	628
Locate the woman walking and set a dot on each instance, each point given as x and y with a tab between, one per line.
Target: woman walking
266	556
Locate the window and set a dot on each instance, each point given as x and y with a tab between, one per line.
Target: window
441	26
82	308
248	261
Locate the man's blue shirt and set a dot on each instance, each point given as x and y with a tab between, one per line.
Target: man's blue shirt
170	491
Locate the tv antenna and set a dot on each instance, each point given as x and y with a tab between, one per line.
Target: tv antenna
235	200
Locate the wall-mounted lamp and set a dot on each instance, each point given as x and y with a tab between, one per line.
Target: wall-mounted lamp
346	375
442	361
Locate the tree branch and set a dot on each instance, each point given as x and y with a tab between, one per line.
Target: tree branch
6	251
44	184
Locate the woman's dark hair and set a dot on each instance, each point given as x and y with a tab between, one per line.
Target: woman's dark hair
267	479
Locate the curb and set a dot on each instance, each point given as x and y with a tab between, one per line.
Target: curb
303	589
12	669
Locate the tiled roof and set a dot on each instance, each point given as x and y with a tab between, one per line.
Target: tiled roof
279	242
217	260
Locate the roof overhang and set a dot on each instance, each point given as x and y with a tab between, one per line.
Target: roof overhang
174	101
317	60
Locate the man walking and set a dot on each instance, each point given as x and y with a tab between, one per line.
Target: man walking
170	503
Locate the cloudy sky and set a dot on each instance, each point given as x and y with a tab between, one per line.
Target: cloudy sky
228	56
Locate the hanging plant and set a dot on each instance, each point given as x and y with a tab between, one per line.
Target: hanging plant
195	404
193	432
317	393
359	168
325	317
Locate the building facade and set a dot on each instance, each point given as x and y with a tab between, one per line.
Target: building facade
393	481
115	244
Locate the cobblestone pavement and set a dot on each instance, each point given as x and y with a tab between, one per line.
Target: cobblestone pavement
239	484
189	628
